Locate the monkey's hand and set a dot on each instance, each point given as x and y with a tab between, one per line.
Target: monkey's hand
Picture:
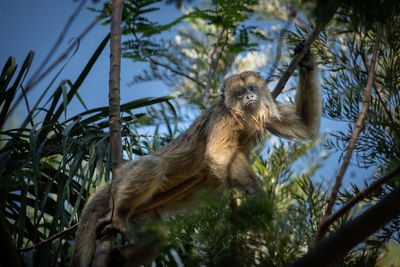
308	61
106	225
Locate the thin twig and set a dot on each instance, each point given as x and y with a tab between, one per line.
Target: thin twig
50	239
211	69
154	136
378	92
155	62
214	95
357	129
286	90
292	14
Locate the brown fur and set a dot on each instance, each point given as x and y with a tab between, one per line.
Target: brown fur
210	154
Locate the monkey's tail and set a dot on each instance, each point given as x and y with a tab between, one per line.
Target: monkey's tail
95	209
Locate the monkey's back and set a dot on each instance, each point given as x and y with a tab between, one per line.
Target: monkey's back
185	156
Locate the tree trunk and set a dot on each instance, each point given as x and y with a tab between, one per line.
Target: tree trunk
103	249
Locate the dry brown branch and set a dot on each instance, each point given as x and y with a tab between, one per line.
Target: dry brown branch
50	239
377	90
155	62
357	129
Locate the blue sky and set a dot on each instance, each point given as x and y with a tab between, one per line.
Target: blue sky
36	24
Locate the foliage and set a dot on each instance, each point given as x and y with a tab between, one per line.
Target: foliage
48	167
220	27
364	13
347	75
345	50
52	162
236	231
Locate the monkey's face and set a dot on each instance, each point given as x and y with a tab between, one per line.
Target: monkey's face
248	98
244	92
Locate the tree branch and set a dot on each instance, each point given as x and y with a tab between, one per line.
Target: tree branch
378	92
358	126
50	239
114	85
329	250
295	61
358	197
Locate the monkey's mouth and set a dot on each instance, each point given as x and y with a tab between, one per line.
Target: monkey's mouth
252	106
251	103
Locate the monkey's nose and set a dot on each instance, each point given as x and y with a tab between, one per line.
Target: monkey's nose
250	96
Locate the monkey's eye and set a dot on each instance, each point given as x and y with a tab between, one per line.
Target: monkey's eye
240	93
253	88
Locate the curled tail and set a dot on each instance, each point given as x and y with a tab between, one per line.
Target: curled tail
95	209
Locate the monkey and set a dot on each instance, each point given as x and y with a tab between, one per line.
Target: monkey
211	153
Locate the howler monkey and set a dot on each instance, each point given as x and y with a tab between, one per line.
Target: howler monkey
211	153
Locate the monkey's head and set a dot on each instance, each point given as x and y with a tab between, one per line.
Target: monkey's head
245	93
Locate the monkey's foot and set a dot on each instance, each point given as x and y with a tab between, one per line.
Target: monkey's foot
105	226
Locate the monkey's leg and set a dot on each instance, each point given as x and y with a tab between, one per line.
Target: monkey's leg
138	181
150	241
177	192
241	175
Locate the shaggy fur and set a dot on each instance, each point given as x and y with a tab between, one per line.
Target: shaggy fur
211	153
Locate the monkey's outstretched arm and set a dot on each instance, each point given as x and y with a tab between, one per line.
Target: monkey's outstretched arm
303	120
